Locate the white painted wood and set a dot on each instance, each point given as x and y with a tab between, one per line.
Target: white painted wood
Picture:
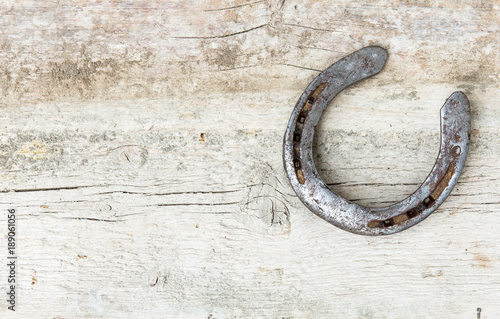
141	144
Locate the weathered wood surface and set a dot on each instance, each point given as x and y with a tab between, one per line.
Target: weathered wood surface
141	144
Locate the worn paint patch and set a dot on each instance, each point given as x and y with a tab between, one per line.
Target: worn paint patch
33	149
481	260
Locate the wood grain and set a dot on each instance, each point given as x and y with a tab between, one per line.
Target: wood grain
141	145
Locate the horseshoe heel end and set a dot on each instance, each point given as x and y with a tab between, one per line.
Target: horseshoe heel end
376	55
355	67
455	129
455	140
456	105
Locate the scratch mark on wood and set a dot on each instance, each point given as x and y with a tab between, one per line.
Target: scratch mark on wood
92	219
301	67
223	36
46	189
235	7
311	28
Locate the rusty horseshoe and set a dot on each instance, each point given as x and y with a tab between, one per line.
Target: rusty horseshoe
315	194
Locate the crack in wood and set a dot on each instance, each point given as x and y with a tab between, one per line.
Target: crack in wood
222	36
235	7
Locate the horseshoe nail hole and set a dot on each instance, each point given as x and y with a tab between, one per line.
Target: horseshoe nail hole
428	201
296	137
310	100
388	222
411	213
302	119
296	164
456	150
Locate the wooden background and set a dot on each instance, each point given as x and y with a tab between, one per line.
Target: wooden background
141	142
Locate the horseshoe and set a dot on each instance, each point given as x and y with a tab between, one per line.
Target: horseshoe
315	194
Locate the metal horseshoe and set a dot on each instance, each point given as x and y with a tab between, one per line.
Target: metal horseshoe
321	200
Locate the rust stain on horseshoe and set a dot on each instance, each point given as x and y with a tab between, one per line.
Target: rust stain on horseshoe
298	130
315	194
445	181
